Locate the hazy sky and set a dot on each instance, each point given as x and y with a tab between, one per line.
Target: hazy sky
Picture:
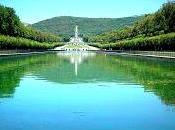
32	11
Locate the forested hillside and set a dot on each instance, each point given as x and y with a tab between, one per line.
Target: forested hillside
87	26
152	32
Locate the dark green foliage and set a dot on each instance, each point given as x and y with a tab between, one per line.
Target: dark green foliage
36	35
8	42
167	15
140	36
9	22
113	36
163	21
11	25
88	26
66	39
155	43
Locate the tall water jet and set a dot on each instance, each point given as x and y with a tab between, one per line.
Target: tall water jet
76	40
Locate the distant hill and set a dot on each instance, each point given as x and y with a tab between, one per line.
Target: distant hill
64	25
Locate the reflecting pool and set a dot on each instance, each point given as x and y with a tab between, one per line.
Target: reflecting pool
86	91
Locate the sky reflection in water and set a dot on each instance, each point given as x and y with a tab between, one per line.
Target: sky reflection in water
86	91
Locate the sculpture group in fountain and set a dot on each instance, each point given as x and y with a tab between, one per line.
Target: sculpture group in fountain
76	40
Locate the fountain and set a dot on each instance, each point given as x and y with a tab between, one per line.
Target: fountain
76	40
76	43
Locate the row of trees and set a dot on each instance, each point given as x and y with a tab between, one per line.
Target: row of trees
164	42
30	33
11	25
9	42
161	22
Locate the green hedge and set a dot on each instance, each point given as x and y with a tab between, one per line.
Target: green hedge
7	42
159	43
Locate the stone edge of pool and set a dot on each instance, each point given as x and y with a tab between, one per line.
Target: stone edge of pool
153	54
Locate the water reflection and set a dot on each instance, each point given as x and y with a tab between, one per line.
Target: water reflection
76	58
154	75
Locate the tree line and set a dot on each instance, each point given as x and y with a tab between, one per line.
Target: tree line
11	25
161	22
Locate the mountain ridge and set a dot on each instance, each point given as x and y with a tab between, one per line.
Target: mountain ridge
64	25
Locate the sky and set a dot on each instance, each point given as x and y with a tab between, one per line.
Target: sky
32	11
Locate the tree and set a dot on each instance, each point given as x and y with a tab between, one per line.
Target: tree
9	21
168	12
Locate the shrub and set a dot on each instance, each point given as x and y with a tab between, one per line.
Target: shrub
7	42
155	43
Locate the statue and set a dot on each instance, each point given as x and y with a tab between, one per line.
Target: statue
76	40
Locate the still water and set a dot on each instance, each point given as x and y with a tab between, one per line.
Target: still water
86	91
